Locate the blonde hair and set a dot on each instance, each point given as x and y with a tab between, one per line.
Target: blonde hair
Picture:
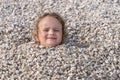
55	15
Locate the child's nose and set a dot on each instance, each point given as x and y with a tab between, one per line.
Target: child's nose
51	32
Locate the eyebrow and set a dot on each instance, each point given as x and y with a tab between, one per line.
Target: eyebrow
56	27
53	28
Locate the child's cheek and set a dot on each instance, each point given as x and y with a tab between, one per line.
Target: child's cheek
44	34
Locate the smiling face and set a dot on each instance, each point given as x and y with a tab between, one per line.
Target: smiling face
49	31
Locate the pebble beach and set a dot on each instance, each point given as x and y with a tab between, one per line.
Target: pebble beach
91	50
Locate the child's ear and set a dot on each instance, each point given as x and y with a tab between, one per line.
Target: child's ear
36	36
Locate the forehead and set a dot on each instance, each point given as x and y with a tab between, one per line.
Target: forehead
49	21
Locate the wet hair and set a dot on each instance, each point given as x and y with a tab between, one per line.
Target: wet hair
55	15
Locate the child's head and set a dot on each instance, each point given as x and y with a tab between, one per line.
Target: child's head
49	30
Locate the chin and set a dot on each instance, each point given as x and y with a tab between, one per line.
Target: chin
52	44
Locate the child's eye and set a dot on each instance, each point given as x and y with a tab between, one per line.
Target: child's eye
46	30
56	30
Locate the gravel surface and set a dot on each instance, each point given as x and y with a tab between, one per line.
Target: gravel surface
91	50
